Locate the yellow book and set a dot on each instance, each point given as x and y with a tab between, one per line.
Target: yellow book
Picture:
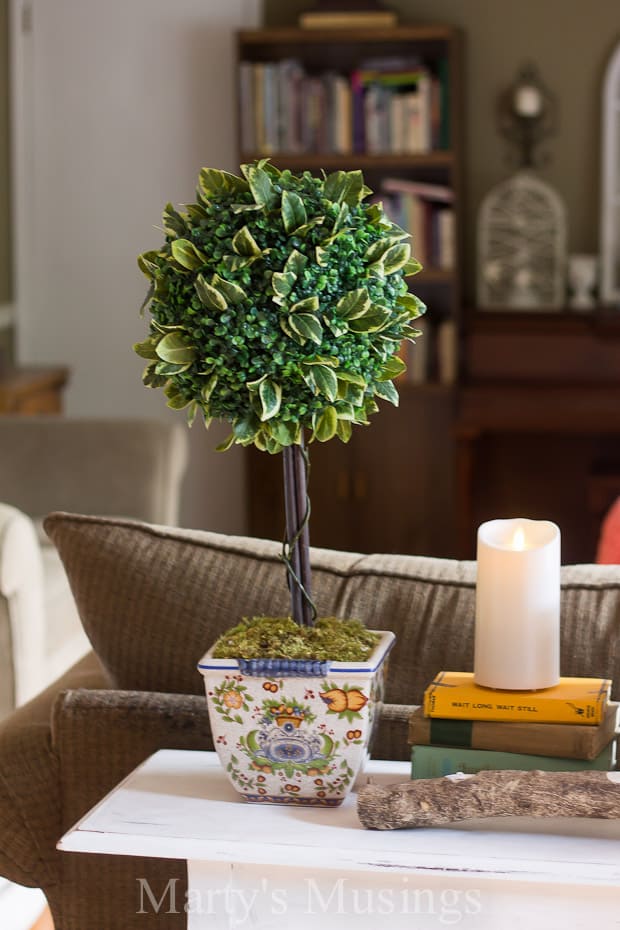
573	700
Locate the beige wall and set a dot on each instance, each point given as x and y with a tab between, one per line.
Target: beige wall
570	42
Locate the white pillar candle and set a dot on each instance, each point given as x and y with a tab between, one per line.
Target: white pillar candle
517	633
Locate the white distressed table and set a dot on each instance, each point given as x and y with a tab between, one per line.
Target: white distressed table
270	868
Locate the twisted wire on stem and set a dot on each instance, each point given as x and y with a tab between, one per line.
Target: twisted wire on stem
295	548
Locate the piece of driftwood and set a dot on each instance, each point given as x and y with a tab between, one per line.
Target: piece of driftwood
433	801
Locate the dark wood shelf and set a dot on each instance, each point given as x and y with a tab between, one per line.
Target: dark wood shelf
314	161
287	36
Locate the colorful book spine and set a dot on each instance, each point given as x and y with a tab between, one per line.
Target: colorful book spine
573	700
437	761
563	740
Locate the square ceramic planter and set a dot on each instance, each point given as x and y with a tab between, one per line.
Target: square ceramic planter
294	731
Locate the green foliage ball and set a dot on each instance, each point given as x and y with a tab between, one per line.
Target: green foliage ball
278	303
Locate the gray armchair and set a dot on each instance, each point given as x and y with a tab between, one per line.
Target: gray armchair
132	468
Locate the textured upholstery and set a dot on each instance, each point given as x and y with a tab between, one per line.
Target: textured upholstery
105	466
152	598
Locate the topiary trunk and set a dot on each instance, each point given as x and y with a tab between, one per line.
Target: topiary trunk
297	545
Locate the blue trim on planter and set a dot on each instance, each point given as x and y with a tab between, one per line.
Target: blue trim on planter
287	668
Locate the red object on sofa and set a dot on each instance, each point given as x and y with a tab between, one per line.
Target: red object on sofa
608	548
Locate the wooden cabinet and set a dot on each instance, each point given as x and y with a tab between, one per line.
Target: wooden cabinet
538	424
32	390
391	488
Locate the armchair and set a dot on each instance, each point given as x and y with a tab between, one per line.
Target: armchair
132	468
152	599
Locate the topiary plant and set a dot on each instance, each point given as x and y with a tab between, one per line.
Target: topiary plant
278	303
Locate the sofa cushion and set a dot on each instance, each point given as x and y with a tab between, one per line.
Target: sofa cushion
152	599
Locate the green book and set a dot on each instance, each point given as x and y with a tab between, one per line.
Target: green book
437	761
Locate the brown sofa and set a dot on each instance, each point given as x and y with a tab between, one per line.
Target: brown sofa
151	600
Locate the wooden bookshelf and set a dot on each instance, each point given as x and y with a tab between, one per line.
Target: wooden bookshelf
357	491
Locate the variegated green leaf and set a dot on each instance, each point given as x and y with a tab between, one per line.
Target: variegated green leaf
168	369
196	212
378	249
151	378
244	243
326	381
354	188
174	348
307	305
330	360
293	211
341	219
210	296
177	400
344	429
412	267
286	433
326	424
282	283
411	333
254	385
147	264
270	395
187	255
245	207
295	263
322	255
371	322
387	391
146	349
351	377
245	429
214	182
236	262
335	186
351	393
307	326
396	257
345	410
286	329
392	369
208	389
315	221
412	304
228	442
192	410
262	187
233	293
167	328
354	304
174	224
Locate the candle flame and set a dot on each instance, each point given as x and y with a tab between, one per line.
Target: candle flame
518	539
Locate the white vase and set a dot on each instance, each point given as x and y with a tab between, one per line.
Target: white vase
294	731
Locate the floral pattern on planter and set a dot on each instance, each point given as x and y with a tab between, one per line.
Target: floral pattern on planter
295	740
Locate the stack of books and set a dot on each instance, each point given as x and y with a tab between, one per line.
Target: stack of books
386	106
463	727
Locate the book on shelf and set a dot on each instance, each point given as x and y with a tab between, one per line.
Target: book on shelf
573	700
563	740
347	19
437	761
